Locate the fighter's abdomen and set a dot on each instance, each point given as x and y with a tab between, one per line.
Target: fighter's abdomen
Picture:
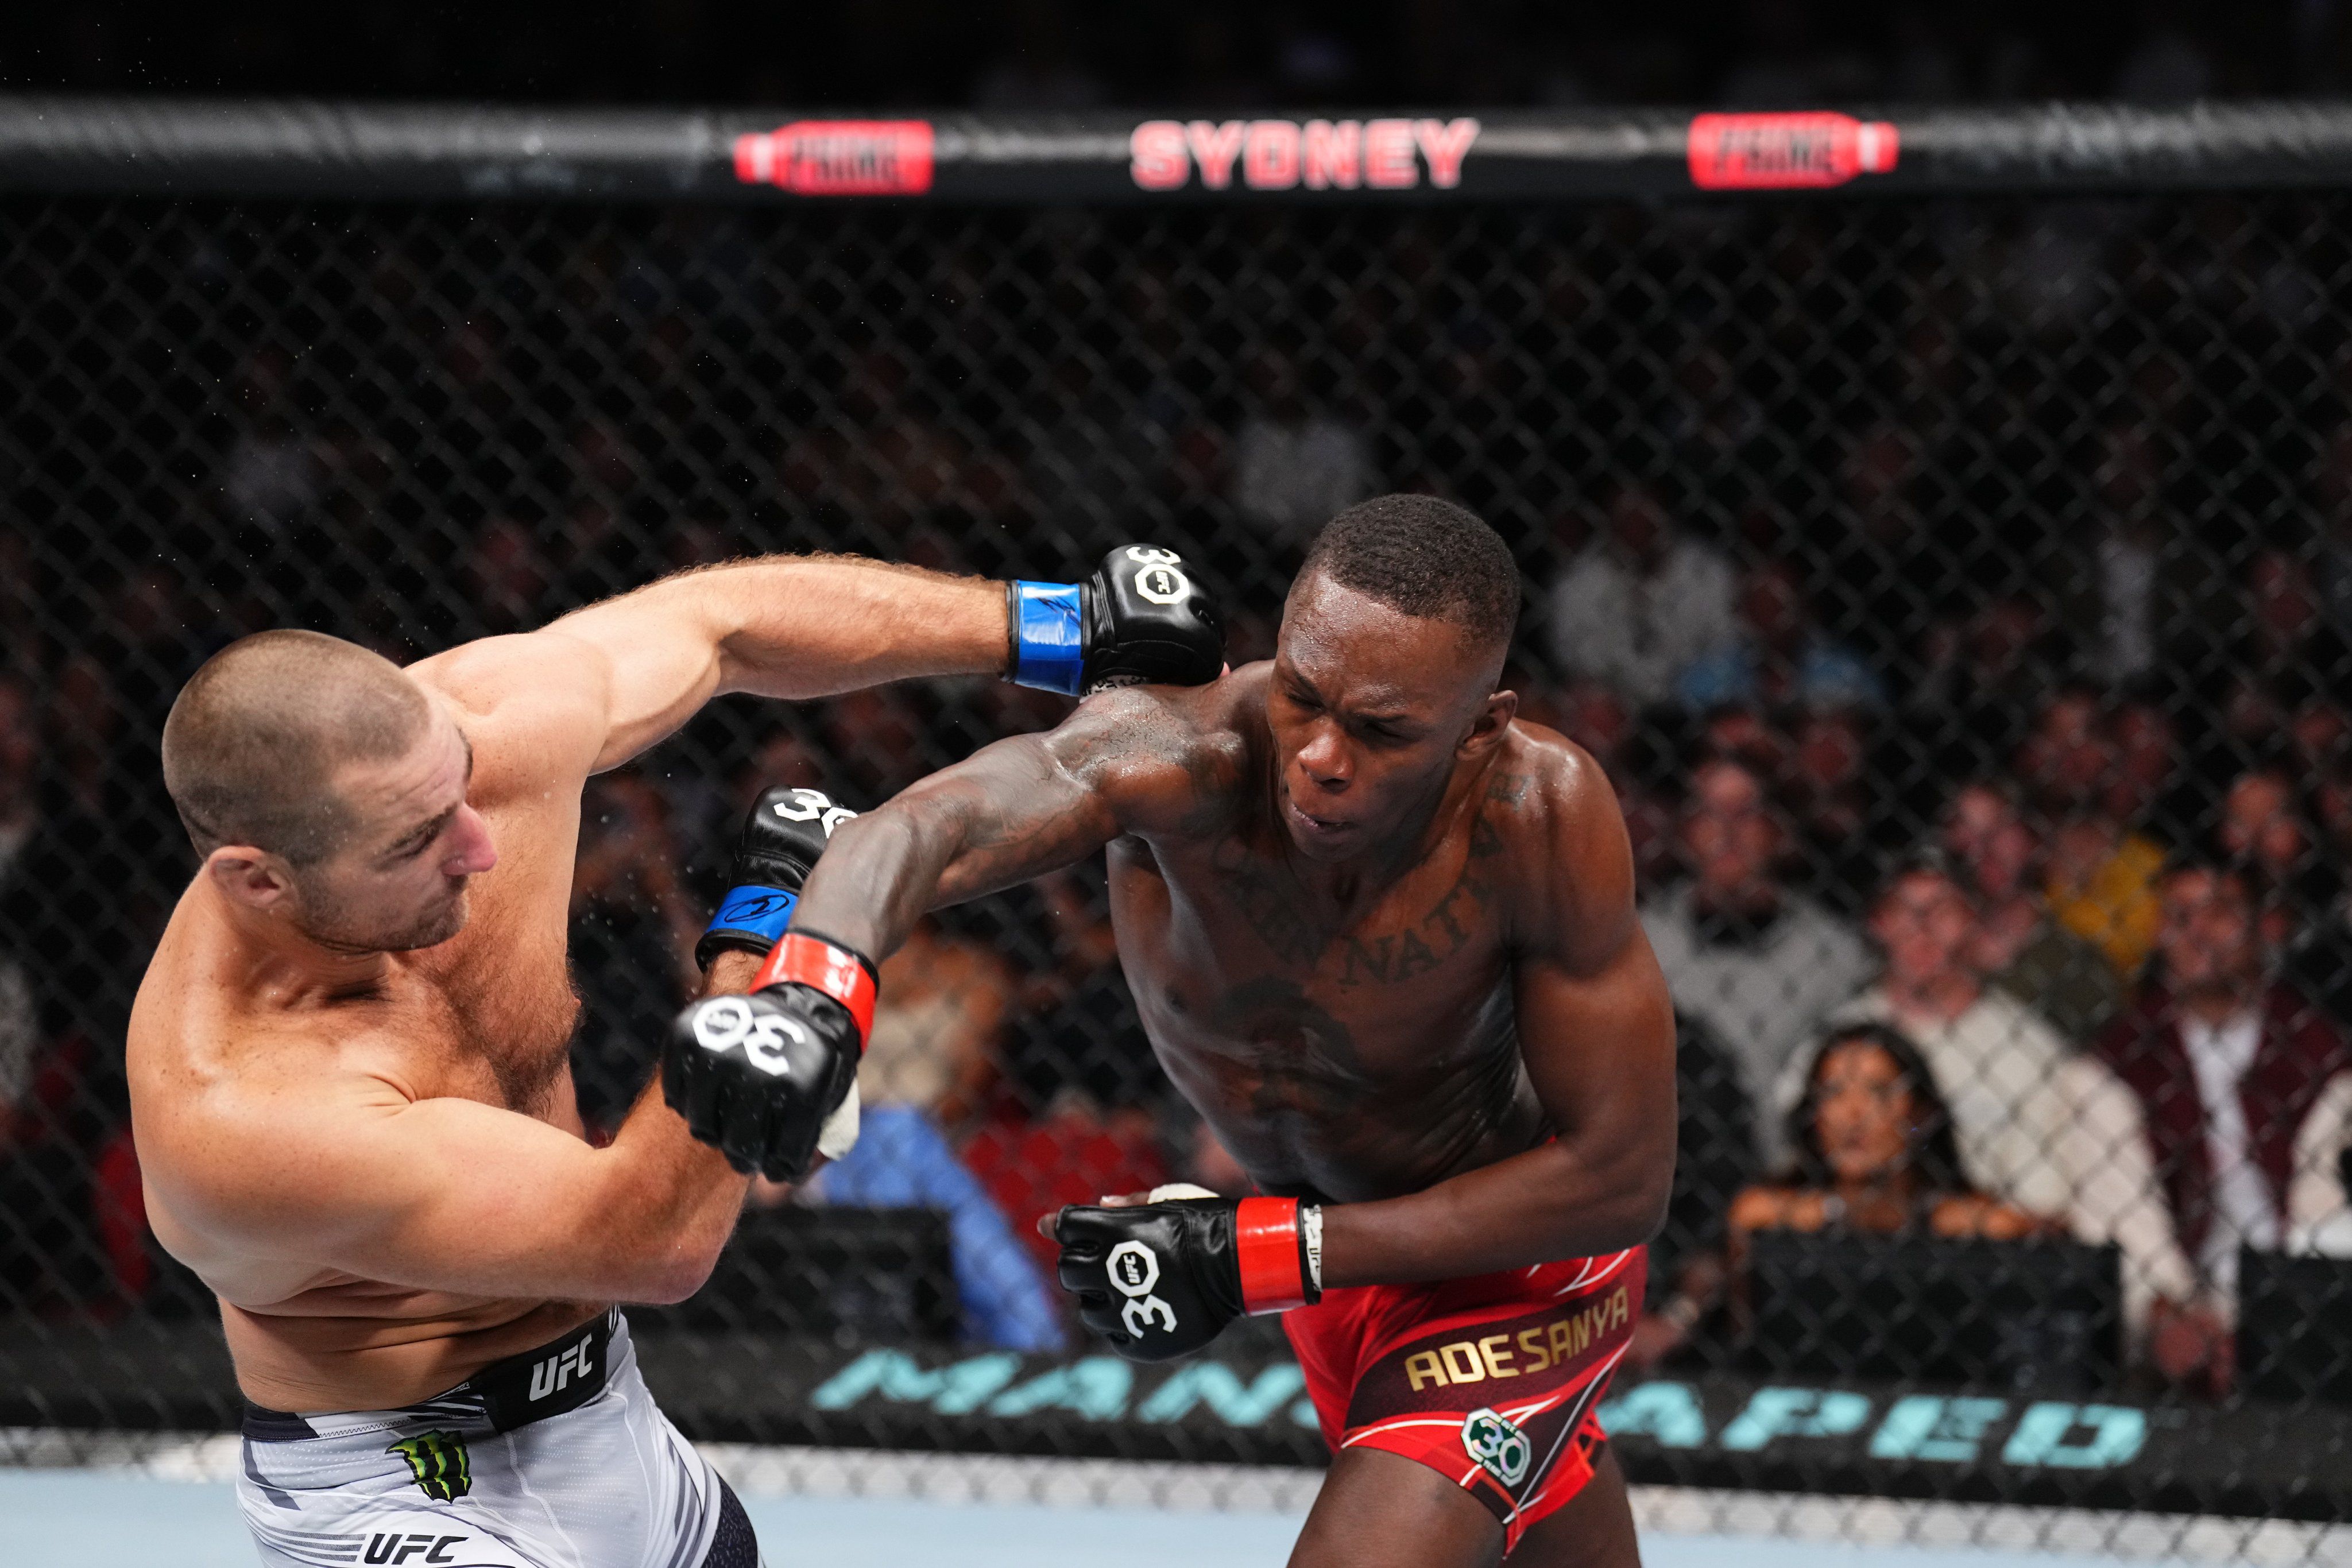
1319	1079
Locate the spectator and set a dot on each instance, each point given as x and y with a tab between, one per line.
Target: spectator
1995	1062
1778	658
1080	1033
1874	1150
938	1028
2266	834
1844	826
1641	603
1748	958
2101	877
2018	945
2226	1067
633	931
1294	466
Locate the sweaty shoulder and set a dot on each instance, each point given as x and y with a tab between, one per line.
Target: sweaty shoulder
1551	814
531	705
1170	761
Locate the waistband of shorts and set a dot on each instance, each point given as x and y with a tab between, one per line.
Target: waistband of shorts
552	1379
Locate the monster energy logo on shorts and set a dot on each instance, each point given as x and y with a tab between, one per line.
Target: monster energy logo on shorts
1498	1444
437	1463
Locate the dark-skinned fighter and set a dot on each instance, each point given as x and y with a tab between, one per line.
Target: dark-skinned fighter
1382	934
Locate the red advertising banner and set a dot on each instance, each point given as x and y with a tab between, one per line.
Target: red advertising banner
1787	151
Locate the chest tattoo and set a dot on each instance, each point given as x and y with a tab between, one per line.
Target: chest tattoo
1274	910
1299	1058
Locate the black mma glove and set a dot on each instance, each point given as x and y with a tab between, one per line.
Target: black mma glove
767	1079
1139	620
782	836
1163	1279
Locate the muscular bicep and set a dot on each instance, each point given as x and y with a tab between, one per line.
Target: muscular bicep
1596	1022
1124	762
430	1194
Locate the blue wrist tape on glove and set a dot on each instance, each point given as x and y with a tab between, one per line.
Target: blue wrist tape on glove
764	911
1046	635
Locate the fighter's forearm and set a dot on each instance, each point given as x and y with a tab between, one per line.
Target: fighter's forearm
675	1201
1007	813
1558	1201
801	627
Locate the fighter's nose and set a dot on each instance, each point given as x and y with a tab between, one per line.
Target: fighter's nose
473	854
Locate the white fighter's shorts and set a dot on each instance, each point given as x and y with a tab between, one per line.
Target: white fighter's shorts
553	1459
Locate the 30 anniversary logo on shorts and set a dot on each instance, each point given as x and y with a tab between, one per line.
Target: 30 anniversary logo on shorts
438	1464
1498	1444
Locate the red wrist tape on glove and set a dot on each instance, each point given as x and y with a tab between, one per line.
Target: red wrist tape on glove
836	971
1271	1257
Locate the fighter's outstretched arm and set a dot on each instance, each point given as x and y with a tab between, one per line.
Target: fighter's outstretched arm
1125	761
1596	1032
602	683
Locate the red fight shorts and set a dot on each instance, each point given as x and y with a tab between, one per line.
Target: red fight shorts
1491	1380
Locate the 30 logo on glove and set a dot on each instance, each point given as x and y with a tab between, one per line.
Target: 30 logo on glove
768	1079
1162	1278
1141	620
784	832
732	1023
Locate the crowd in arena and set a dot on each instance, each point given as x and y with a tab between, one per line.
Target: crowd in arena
1975	942
1976	703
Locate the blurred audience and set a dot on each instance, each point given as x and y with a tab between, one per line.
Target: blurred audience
1295	465
1641	603
2100	876
633	935
2266	834
939	1028
2018	945
2226	1064
1994	1062
1749	957
1777	655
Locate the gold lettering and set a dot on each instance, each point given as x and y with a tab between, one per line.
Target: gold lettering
1498	1363
1469	1370
1531	1345
1620	1311
1423	1364
1563	1331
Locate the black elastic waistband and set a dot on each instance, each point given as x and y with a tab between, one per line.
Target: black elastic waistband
558	1377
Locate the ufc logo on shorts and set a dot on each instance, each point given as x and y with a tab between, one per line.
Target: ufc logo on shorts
398	1548
550	1375
1134	1268
728	1022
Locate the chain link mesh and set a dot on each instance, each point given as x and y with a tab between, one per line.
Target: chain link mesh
1942	585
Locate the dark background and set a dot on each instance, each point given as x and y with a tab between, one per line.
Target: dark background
1045	55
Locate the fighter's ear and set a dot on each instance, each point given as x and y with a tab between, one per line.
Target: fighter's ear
253	877
1492	723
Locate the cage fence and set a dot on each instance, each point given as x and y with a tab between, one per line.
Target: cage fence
1953	578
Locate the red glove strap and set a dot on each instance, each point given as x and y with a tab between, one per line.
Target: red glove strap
1266	1243
836	971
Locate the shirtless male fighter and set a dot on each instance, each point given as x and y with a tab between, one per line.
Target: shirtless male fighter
1383	937
349	1082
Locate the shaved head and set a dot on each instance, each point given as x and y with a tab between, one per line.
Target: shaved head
258	736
